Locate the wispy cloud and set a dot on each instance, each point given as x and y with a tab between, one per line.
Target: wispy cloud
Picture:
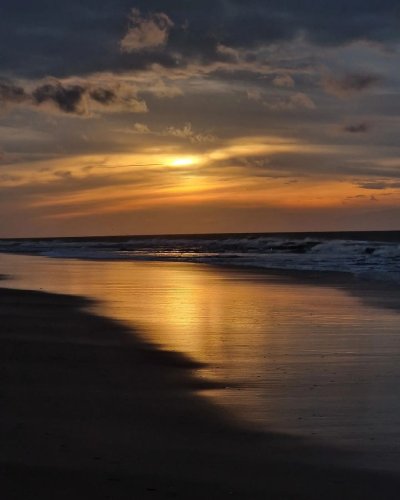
350	84
298	100
357	128
185	132
284	80
378	185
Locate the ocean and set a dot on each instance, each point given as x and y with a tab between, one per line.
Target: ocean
366	254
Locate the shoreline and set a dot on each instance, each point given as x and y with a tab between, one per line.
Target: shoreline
379	293
327	277
90	411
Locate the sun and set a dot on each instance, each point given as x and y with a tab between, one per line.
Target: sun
183	161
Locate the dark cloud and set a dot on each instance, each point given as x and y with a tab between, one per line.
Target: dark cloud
63	174
72	98
351	83
379	185
82	36
103	96
67	98
357	128
334	165
327	23
361	197
11	93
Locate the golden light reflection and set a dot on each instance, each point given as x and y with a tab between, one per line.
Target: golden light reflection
237	323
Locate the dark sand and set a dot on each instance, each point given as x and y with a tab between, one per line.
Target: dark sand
89	411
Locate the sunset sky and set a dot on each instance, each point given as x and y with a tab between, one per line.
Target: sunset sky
143	117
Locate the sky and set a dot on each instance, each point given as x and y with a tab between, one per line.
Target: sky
157	117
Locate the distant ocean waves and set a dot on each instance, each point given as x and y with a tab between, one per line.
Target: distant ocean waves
368	254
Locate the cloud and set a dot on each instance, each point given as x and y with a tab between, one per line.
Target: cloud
283	81
76	38
102	95
157	86
361	197
141	128
295	101
71	97
146	33
357	128
186	132
254	94
349	84
11	93
341	22
229	52
68	99
377	185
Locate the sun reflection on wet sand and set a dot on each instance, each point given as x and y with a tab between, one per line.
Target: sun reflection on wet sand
299	358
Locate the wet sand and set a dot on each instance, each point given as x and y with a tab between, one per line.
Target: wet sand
91	411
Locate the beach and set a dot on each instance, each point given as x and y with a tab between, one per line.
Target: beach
312	355
155	386
90	411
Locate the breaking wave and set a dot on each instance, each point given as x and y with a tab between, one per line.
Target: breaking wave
367	257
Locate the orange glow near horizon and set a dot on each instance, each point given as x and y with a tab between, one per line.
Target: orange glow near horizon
217	177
